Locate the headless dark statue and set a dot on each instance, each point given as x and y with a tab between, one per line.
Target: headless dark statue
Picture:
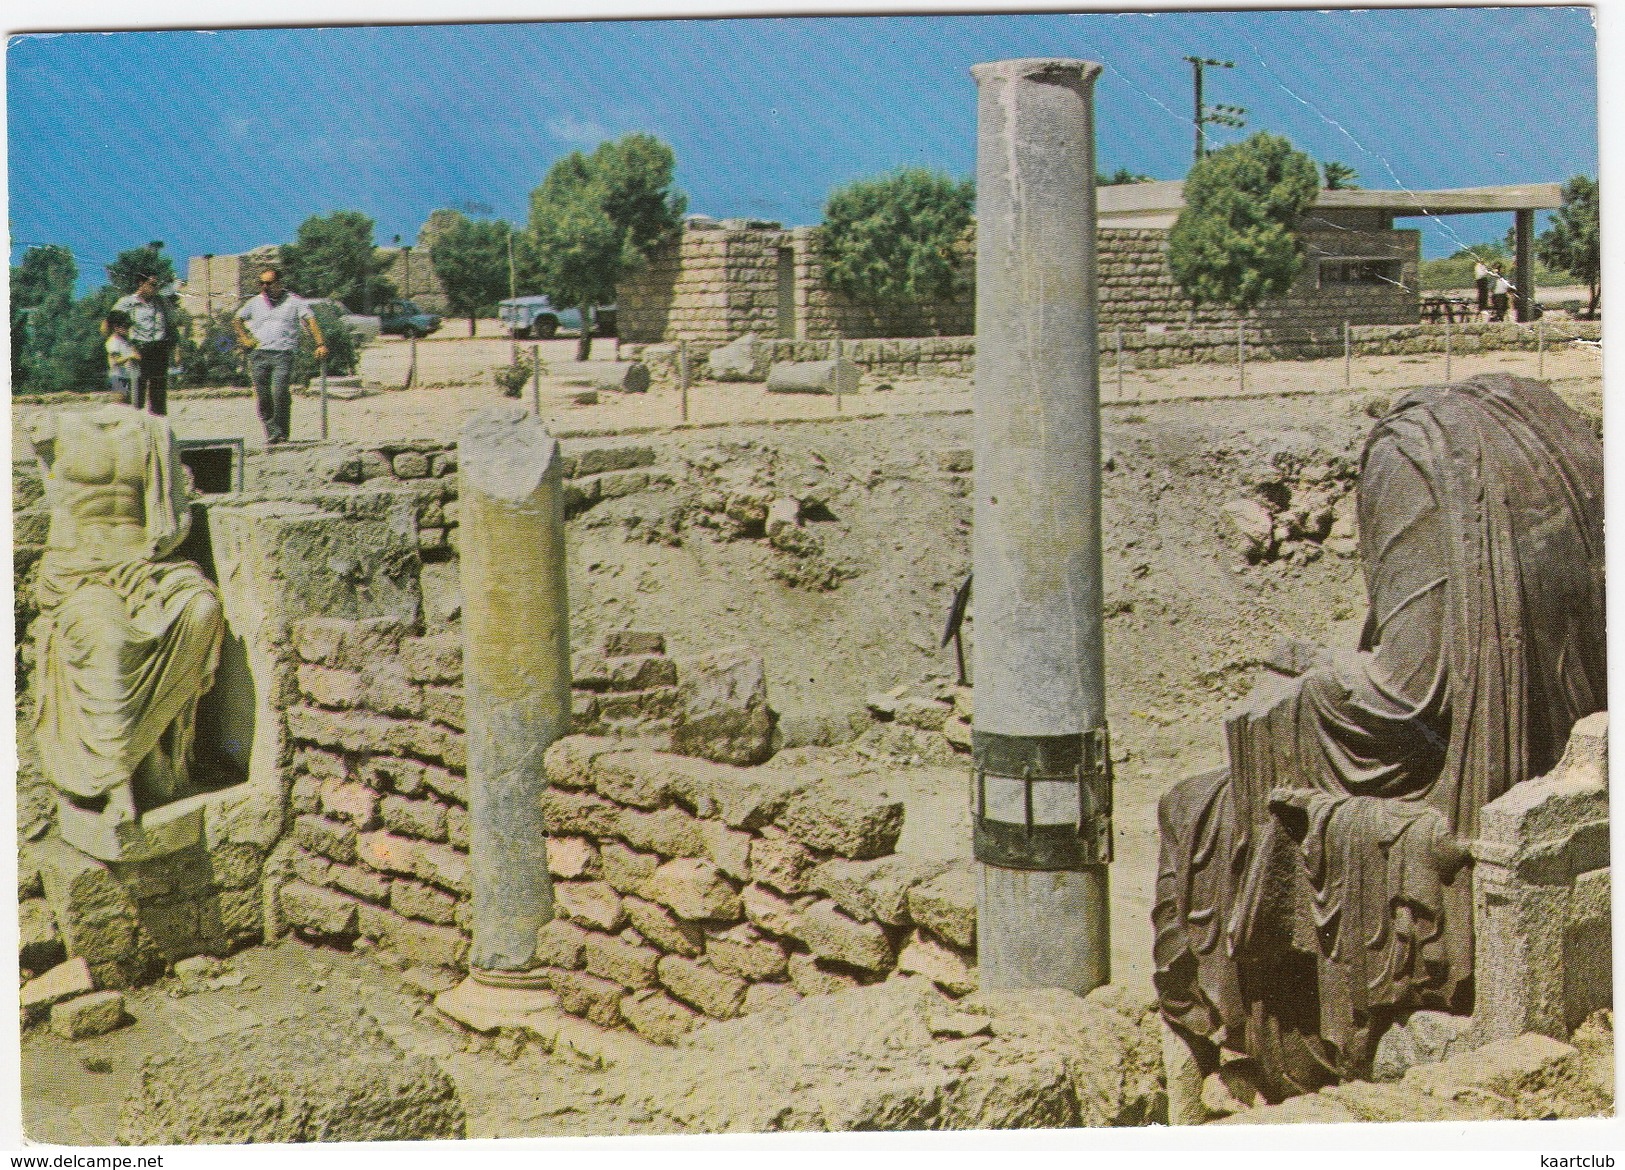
1319	889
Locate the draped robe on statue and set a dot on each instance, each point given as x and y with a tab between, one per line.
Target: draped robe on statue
1319	888
128	641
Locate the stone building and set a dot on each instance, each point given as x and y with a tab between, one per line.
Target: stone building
214	283
720	279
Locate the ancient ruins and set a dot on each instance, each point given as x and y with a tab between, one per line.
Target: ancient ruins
335	828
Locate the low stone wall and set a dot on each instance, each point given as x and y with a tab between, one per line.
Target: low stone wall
684	888
947	357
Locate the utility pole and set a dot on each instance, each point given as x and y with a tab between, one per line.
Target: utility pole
512	286
1217	115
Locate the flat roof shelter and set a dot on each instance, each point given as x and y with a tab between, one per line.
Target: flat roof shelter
1157	205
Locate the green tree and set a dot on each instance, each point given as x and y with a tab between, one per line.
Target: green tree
898	239
1339	176
595	218
334	256
1120	177
471	260
1574	241
1236	241
125	273
56	341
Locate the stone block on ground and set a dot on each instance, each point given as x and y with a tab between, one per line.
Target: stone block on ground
876	889
329	1076
624	869
593	904
318	911
850	818
744	359
664	929
593	999
833	936
82	1016
946	905
656	1016
693	890
39	944
61	982
670	832
944	966
744	951
718	995
722	710
809	976
561	944
782	863
572	857
821	377
633	967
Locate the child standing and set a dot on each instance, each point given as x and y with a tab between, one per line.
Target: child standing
123	359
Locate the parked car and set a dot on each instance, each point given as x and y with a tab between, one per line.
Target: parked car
537	317
366	327
406	319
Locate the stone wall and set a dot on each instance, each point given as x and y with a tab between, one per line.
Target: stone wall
714	284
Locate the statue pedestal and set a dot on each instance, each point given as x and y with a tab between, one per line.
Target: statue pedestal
106	836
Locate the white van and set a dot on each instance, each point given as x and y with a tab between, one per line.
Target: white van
537	317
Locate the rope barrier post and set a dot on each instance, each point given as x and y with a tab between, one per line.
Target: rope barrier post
1447	324
536	380
838	374
1241	356
1119	340
1348	358
682	374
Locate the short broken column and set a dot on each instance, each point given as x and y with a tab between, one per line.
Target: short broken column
516	674
1042	780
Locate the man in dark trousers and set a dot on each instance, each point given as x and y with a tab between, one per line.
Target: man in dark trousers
152	332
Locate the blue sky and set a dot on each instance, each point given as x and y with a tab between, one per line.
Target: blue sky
218	141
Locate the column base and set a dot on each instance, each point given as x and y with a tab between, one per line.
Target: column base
481	1007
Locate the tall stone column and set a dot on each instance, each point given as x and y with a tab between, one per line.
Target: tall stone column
1042	782
516	675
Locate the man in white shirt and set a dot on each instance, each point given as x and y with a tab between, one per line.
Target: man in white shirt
152	332
271	336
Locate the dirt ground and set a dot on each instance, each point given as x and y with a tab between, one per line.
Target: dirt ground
1188	618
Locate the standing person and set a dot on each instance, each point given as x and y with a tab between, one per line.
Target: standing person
152	330
123	359
272	337
1481	279
1501	298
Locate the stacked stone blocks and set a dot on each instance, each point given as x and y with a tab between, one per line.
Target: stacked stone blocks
688	890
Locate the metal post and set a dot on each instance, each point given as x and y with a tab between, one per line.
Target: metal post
1348	358
1447	325
1119	339
682	374
536	380
324	396
1042	772
1540	348
516	672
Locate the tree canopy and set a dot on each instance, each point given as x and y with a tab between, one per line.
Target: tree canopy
1236	241
126	271
471	260
1339	176
1573	242
897	239
595	218
334	256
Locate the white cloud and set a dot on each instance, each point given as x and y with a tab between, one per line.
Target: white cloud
576	130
